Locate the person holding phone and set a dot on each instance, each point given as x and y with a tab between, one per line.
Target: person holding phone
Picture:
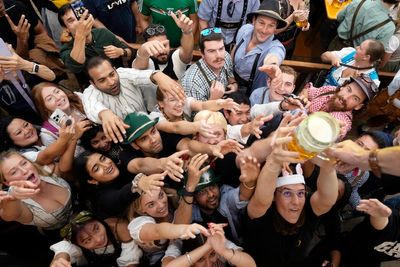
88	42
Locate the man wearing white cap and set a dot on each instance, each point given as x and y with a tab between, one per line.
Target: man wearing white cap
280	213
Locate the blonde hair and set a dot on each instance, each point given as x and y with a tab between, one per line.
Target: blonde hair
9	153
212	117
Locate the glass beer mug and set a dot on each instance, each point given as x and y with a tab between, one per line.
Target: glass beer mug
302	21
314	134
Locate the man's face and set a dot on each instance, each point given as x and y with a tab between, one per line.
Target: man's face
149	143
349	97
287	87
70	21
214	54
208	198
105	78
367	142
264	27
162	58
241	116
361	51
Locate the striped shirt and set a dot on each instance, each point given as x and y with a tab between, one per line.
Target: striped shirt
137	94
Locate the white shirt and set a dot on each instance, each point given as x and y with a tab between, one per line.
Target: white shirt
137	94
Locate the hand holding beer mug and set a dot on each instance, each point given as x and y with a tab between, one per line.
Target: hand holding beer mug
300	17
314	134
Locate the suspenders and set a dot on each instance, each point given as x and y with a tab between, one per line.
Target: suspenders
230	25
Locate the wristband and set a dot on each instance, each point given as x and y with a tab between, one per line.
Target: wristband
135	184
248	187
281	108
186	193
374	163
188	32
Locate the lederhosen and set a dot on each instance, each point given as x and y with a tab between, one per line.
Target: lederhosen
242	82
169	69
230	25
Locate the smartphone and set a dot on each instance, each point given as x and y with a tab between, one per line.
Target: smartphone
4	50
78	8
60	118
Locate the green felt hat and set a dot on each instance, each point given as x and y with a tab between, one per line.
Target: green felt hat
138	123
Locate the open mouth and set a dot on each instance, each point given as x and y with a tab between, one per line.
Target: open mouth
32	178
29	135
110	170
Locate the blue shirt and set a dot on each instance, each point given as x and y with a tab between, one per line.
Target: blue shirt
116	15
256	96
208	12
270	46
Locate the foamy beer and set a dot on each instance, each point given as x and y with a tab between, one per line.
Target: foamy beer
314	134
302	20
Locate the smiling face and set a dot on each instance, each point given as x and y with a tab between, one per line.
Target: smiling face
350	97
240	116
92	235
287	87
154	204
208	198
22	133
172	107
101	169
290	200
105	78
264	27
17	168
54	98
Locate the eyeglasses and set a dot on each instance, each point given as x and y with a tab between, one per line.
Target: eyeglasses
231	8
289	193
155	29
209	31
80	218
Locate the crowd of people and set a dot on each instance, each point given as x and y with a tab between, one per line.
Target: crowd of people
117	148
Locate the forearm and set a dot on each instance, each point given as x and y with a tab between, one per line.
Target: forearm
327	190
246	191
53	151
389	160
187	44
146	165
238	258
264	193
12	211
327	57
22	48
194	255
379	222
246	129
179	127
78	49
141	61
289	21
196	147
44	72
67	158
183	213
158	231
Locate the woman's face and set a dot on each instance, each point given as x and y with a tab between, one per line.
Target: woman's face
208	260
101	169
18	168
155	204
290	200
100	142
92	235
171	106
22	133
54	98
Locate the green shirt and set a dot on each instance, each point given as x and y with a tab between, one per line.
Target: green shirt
370	14
101	37
158	10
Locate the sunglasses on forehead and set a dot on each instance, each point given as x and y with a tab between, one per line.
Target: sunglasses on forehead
156	29
209	31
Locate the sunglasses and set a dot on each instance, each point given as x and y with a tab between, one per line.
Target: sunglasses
365	78
208	31
231	8
81	218
153	30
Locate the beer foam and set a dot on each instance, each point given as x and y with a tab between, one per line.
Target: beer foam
320	129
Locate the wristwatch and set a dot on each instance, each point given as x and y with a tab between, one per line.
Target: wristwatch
135	184
35	68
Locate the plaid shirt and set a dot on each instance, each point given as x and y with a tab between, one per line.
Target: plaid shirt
319	103
197	86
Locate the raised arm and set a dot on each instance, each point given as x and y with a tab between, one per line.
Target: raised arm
157	231
83	29
187	41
